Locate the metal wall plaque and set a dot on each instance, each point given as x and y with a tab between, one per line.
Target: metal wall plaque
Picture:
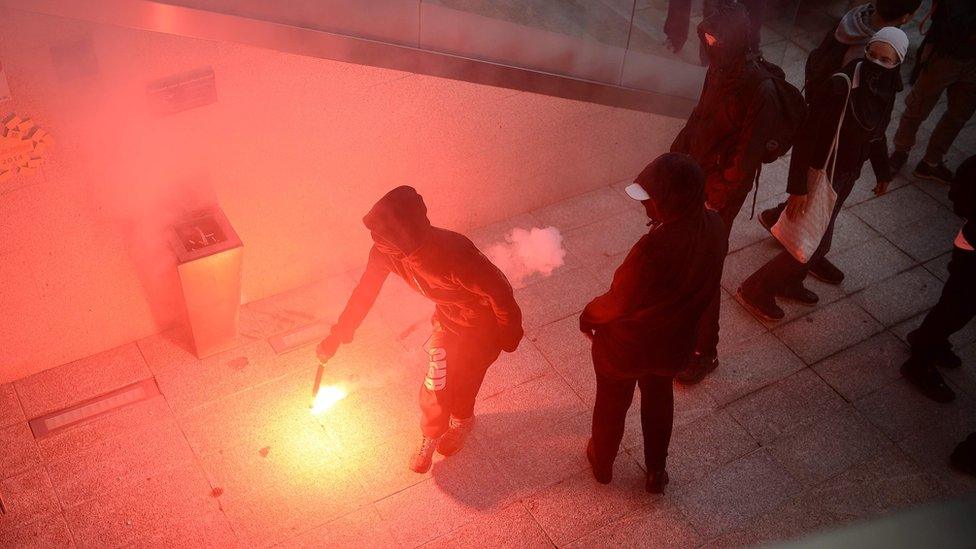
183	91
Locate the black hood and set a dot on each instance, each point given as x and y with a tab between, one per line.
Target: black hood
676	185
731	26
399	219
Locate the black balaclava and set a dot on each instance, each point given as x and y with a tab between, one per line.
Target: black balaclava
398	221
676	185
731	26
877	88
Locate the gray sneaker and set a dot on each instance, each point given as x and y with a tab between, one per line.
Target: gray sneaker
939	172
421	461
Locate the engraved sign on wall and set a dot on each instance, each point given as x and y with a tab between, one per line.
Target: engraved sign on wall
22	145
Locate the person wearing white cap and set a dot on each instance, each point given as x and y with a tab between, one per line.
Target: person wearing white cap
948	63
644	328
855	105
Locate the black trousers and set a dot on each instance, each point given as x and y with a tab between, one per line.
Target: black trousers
707	342
956	307
784	271
613	399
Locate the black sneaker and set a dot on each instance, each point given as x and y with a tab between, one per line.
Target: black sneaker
799	293
601	473
825	271
769	217
897	160
700	366
764	307
656	481
928	380
939	172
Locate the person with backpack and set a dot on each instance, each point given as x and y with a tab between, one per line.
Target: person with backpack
947	63
929	342
839	47
643	328
746	115
846	128
475	314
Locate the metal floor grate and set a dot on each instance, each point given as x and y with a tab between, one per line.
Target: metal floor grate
49	424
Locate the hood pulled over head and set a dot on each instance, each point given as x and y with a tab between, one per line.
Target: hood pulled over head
675	185
728	29
399	220
855	27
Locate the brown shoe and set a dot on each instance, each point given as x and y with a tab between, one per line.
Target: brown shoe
421	461
453	440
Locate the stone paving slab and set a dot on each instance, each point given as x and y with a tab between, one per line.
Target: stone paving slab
81	380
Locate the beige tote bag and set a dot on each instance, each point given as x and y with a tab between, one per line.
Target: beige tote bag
802	236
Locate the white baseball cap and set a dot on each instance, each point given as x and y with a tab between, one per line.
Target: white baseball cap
635	191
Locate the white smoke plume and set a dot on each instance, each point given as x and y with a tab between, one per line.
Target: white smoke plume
525	253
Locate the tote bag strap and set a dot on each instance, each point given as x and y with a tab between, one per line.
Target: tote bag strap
832	155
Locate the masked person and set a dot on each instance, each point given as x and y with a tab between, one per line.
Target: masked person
929	342
839	47
475	317
868	110
724	135
643	328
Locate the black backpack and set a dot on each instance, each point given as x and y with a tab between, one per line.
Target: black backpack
780	135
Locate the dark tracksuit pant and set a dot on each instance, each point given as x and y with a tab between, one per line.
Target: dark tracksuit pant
955	308
708	327
468	359
784	271
941	73
613	399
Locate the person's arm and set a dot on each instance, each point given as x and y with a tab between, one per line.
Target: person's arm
621	298
363	297
750	145
682	143
481	277
878	152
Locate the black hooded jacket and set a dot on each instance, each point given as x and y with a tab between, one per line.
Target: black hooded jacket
472	297
646	323
862	136
723	132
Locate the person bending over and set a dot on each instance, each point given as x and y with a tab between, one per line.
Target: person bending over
475	318
643	328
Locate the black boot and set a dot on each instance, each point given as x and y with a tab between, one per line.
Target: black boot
760	304
602	473
927	380
825	271
799	293
700	366
656	481
963	458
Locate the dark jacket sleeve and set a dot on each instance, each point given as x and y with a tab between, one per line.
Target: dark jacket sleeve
821	129
363	296
878	153
622	297
481	277
751	144
682	143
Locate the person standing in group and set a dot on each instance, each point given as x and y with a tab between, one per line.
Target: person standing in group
840	46
723	135
862	96
948	63
475	318
644	328
929	342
